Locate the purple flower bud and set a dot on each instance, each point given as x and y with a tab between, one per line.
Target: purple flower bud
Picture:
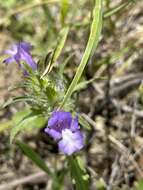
20	52
66	131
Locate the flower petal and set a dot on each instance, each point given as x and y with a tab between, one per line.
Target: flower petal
60	120
74	125
71	142
21	52
52	133
26	46
28	59
9	60
53	119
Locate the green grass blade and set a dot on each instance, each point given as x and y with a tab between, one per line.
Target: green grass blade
117	8
90	48
33	156
64	64
64	10
17	99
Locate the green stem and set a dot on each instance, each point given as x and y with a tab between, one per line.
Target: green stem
78	173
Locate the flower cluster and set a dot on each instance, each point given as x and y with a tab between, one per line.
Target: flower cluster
61	126
20	52
66	131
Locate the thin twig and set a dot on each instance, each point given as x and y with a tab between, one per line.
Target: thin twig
127	108
30	178
123	150
120	147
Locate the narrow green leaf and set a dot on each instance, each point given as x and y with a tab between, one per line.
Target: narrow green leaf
117	8
17	99
60	44
84	123
90	48
63	65
117	55
27	123
83	84
78	173
64	10
34	157
47	59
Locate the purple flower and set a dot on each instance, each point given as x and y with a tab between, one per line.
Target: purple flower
20	52
64	129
